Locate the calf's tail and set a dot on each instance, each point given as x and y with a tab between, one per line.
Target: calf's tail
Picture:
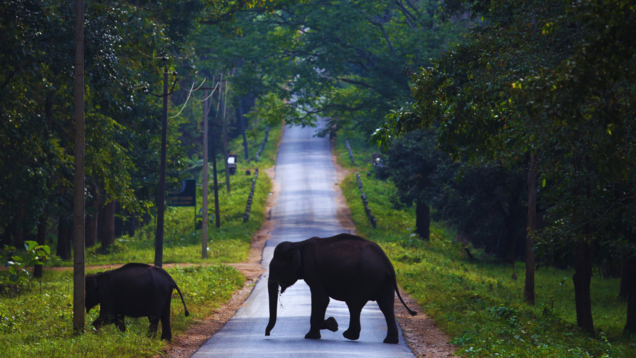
184	305
411	312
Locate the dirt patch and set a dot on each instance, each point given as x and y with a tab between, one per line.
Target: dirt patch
186	344
422	335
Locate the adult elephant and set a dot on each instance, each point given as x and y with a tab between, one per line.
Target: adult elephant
346	268
133	290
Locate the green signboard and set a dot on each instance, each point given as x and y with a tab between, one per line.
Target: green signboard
184	197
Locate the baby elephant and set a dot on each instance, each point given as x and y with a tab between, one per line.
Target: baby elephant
133	290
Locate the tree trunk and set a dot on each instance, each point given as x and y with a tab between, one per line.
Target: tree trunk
93	216
511	233
107	232
19	227
528	291
582	279
79	203
423	220
64	238
625	276
6	238
132	225
630	264
41	239
119	221
239	114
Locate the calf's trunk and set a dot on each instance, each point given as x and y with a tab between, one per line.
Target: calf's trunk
272	288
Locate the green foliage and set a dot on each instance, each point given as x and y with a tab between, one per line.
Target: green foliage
479	304
229	243
34	254
38	322
348	70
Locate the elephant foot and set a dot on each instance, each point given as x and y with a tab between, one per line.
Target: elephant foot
166	337
392	340
348	334
313	335
331	324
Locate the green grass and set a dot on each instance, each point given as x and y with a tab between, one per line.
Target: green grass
38	323
477	303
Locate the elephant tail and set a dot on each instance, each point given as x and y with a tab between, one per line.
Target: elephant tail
180	295
411	312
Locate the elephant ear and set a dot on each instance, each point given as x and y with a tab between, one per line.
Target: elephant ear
295	259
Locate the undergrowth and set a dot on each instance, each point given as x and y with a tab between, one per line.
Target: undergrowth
36	317
479	304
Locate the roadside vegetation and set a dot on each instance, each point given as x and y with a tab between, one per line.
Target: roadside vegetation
479	302
35	314
229	243
36	322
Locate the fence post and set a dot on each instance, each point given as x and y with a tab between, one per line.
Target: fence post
365	202
248	208
258	155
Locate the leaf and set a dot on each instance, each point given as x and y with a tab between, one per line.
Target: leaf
543	183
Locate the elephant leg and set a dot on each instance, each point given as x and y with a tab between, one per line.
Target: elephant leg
385	302
319	303
120	322
166	332
154	323
355	308
99	322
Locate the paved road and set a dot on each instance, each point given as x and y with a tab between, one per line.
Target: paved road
305	208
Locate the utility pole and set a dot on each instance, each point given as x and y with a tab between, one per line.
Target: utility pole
225	150
207	105
204	209
78	176
216	184
161	195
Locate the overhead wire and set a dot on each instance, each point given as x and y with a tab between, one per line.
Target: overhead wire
188	98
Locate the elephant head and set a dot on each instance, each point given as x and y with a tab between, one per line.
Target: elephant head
91	289
283	272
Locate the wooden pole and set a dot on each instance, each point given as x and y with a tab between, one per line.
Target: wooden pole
161	196
78	207
528	291
224	133
204	208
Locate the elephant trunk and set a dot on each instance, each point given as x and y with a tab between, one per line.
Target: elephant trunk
272	288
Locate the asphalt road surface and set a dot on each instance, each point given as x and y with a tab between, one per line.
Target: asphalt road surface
305	208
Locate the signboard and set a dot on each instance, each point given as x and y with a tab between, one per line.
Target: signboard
184	197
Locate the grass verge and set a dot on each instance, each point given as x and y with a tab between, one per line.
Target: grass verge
479	304
38	323
36	319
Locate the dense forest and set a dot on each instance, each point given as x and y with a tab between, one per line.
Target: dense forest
511	121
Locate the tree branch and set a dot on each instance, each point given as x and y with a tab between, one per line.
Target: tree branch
386	37
354	82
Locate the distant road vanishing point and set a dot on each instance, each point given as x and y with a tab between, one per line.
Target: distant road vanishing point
305	208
